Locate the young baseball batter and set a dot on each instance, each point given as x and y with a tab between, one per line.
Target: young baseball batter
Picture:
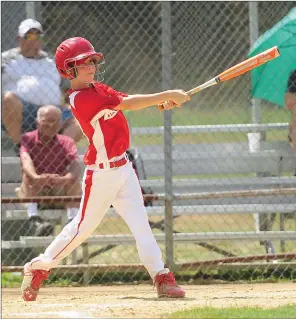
109	177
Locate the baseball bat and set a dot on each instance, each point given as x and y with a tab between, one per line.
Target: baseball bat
239	69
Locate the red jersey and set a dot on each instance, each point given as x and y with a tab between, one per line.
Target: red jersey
106	129
51	158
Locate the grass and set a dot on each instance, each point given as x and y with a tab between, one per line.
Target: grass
288	311
14	280
151	117
11	280
202	138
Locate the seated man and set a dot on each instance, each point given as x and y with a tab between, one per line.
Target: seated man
30	80
50	165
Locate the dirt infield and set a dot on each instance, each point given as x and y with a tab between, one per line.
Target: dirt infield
139	301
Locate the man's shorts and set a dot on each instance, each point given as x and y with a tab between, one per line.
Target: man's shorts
30	115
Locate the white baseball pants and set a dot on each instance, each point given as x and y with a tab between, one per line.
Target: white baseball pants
101	188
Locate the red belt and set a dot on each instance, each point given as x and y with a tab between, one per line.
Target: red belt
119	163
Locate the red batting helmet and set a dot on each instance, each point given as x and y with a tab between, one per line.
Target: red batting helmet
73	52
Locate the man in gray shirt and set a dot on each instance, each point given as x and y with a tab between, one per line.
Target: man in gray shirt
30	80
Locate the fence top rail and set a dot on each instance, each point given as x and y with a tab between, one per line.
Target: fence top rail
275	181
176	196
187	129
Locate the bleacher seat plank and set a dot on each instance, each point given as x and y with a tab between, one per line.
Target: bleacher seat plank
32	241
188	210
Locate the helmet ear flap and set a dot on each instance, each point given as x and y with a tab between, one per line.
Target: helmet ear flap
71	70
62	71
68	74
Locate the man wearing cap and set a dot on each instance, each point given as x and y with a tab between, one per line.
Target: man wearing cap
30	80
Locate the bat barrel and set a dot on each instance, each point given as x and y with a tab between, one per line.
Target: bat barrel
250	64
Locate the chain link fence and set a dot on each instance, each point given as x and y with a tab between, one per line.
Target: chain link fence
233	208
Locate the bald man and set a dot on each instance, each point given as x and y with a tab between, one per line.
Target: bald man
50	165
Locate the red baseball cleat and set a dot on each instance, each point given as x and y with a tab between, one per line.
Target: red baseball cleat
32	282
167	287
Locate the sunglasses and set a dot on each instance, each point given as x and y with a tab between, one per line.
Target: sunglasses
33	36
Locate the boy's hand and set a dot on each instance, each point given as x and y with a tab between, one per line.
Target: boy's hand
177	98
167	106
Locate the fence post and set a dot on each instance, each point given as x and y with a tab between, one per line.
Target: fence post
254	35
30	10
256	108
168	167
33	10
255	103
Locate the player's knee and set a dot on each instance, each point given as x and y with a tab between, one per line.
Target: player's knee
10	98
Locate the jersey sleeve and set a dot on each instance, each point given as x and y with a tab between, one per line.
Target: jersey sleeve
113	92
291	87
89	104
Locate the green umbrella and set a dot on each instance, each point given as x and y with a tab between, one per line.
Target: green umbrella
269	81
